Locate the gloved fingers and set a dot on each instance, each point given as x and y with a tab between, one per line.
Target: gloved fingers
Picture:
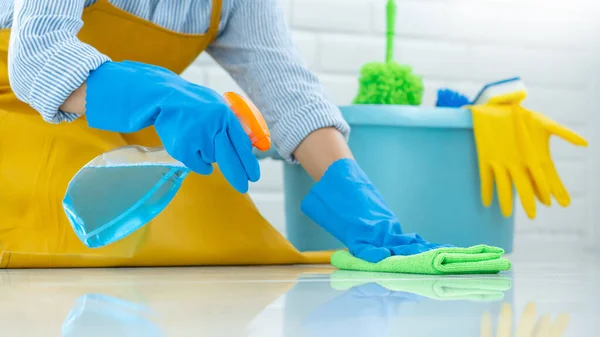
566	134
504	189
521	177
413	249
400	239
557	188
191	158
525	190
487	185
229	163
243	147
540	185
186	152
208	154
534	173
199	166
485	171
370	253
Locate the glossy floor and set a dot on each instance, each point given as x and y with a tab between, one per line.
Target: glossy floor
541	296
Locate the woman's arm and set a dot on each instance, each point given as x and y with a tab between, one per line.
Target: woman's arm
75	103
47	62
257	50
320	149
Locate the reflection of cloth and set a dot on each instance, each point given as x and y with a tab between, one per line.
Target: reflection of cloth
480	259
358	304
101	315
38	160
439	288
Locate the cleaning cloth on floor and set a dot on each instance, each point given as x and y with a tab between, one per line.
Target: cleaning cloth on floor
481	259
478	289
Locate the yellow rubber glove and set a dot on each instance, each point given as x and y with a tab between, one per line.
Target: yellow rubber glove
506	155
540	128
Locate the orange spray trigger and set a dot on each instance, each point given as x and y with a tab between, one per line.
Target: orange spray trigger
251	119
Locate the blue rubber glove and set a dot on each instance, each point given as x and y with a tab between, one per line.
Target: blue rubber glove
194	123
346	204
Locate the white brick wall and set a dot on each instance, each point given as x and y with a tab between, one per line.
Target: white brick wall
552	44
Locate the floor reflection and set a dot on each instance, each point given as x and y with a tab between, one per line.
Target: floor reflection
379	304
528	326
295	301
102	315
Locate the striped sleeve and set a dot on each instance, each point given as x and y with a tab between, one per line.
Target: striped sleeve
46	61
257	50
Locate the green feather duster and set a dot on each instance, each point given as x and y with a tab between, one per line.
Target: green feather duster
389	82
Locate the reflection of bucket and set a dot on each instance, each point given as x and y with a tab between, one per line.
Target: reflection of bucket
424	163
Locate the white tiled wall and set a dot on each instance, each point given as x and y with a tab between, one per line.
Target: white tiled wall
462	44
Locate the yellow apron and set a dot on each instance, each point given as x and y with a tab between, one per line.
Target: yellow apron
208	222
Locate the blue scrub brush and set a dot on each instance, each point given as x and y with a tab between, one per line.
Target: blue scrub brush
499	92
447	98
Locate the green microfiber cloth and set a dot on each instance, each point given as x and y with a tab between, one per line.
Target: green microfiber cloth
479	259
389	82
479	289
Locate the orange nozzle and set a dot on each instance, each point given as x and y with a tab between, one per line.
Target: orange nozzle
252	121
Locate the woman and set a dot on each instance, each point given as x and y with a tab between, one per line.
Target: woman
65	60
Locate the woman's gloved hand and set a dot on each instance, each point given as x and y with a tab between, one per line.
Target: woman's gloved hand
194	123
346	204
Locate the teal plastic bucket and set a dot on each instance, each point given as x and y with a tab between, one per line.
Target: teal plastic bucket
424	163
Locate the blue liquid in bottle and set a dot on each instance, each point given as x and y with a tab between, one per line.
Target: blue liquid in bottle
105	204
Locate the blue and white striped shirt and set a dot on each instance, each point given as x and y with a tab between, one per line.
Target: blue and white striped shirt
47	62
